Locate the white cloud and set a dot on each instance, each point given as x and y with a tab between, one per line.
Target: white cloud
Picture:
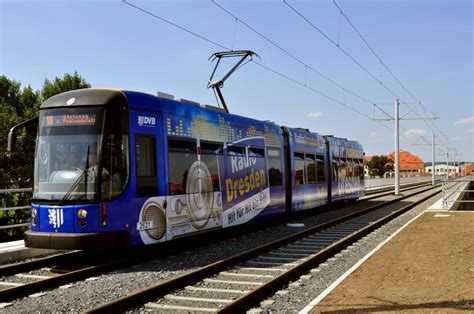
373	135
316	114
471	130
467	120
414	132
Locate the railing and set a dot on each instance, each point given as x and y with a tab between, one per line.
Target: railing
385	182
453	188
24	190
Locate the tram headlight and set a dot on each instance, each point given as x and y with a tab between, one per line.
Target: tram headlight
34	212
82	223
82	213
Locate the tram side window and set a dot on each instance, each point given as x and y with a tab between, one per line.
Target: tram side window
310	169
274	166
145	155
320	168
234	155
299	168
342	169
335	171
115	162
257	155
356	169
349	169
181	155
209	154
115	158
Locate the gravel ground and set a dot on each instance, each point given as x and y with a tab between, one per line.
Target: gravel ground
301	292
91	292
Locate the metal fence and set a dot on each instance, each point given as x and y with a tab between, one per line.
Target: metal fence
19	225
452	190
451	187
386	182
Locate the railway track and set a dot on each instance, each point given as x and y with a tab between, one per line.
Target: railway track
26	278
36	276
237	283
388	191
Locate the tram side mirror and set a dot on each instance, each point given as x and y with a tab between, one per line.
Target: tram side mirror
11	140
12	135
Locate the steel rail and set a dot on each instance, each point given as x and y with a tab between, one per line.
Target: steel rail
164	287
390	188
44	284
247	300
11	269
382	193
99	267
19	291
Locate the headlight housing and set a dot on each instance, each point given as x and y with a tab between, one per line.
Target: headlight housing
82	213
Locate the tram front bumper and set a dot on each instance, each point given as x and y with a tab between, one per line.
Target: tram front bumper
78	241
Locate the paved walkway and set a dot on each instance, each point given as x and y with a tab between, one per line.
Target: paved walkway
428	267
14	251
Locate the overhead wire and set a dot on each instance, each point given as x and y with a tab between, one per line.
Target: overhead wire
373	51
175	25
359	64
382	62
266	38
341	49
254	61
307	66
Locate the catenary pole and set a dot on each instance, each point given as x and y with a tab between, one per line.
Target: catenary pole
433	168
397	135
397	147
447	163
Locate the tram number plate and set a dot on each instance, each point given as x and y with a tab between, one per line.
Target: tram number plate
145	225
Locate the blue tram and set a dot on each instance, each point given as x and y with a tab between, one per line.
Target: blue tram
118	168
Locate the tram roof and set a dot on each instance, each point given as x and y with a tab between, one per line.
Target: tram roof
142	101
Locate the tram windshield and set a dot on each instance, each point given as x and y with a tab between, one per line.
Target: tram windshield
67	167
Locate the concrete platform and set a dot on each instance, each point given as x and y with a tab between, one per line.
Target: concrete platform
437	206
16	251
428	267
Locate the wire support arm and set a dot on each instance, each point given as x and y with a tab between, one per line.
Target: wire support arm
245	57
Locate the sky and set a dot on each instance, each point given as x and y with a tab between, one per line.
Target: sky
426	44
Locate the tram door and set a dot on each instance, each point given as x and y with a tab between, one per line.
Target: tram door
194	199
148	185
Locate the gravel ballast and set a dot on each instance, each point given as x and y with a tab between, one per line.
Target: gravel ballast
87	294
300	293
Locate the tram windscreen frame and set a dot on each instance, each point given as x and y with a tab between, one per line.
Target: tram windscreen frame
68	158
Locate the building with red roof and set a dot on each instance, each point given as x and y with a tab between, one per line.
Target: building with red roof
410	164
468	169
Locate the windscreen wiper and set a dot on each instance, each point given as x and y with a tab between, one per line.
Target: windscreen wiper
73	187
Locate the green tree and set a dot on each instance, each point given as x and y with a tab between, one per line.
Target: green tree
379	165
16	168
16	105
60	85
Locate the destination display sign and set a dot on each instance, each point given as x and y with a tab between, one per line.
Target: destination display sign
69	120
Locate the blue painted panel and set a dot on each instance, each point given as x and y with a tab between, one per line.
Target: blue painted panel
37	227
56	218
91	220
128	208
308	195
345	188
